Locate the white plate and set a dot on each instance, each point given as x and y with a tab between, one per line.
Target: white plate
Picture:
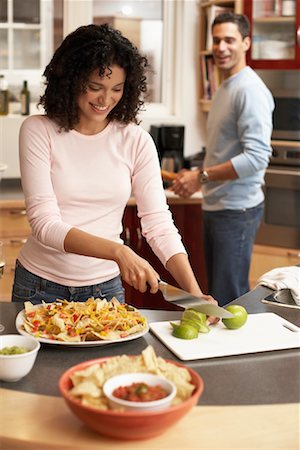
20	319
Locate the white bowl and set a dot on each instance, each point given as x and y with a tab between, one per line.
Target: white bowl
126	379
15	367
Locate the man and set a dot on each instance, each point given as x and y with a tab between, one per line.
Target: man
238	148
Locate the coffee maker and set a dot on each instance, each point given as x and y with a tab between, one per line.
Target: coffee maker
169	141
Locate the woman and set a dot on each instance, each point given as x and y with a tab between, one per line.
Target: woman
80	163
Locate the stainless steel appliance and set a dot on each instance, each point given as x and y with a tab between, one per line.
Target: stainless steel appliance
281	225
286	115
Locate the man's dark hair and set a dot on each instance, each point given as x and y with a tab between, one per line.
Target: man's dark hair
240	20
89	48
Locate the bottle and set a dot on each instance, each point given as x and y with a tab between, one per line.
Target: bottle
3	96
25	100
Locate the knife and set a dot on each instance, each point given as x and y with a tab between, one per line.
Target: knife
182	298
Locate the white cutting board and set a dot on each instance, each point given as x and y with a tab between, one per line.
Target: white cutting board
261	333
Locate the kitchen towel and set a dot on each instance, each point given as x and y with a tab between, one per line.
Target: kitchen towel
283	278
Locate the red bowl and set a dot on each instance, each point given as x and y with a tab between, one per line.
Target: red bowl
128	425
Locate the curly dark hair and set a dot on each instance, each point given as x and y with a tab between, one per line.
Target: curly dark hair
240	20
84	50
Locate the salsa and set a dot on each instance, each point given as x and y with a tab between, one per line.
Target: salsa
14	350
140	392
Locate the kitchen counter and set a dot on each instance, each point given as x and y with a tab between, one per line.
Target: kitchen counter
34	422
222	375
256	394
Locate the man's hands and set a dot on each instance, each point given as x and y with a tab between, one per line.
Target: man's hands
186	183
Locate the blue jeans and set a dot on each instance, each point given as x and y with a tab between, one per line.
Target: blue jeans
228	242
30	287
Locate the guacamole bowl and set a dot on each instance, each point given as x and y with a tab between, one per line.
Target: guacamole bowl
17	356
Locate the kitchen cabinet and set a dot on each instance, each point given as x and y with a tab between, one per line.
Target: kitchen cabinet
275	33
209	74
9	140
266	258
9	144
14	229
188	219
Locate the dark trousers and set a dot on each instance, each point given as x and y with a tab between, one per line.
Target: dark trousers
228	239
30	287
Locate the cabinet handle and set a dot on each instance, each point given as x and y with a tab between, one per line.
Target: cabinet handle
293	254
18	212
17	241
298	35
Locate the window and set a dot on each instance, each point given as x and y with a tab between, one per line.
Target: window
30	30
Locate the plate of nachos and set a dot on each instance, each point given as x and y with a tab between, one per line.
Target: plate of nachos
91	323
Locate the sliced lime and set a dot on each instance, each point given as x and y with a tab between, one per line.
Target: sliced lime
185	332
192	314
192	323
204	328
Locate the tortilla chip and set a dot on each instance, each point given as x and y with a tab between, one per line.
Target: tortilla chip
95	319
147	362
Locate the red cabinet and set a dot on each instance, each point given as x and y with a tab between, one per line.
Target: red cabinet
275	33
188	219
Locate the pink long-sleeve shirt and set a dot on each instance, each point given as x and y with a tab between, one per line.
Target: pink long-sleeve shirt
75	180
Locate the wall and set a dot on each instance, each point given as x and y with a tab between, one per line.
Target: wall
186	110
194	118
183	79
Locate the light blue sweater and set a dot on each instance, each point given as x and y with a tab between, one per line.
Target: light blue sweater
239	129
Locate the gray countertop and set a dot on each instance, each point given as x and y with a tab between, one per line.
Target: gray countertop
260	378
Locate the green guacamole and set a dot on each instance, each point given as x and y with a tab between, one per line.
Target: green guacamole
14	350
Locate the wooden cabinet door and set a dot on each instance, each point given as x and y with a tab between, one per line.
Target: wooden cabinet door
188	220
14	229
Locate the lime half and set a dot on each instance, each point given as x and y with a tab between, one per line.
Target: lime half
192	314
185	331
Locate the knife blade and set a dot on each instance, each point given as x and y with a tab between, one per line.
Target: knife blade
184	299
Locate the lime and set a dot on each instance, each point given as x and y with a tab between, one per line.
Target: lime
192	314
185	332
204	328
239	319
192	323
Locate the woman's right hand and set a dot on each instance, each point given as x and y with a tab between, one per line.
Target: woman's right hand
136	271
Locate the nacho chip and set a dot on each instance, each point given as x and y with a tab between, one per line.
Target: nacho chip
92	320
147	362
